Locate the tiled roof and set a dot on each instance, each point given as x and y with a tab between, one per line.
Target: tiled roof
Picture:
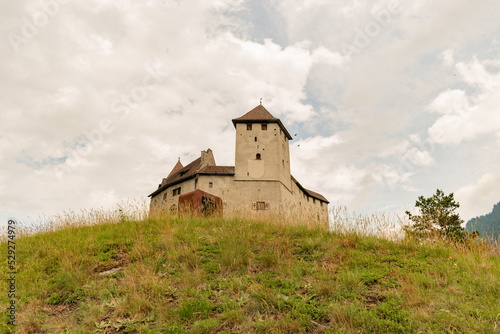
310	192
190	171
180	175
260	114
178	166
184	172
217	170
316	195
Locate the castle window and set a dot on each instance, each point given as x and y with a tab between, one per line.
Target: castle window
249	127
257	156
176	191
173	209
255	139
210	184
260	206
264	126
283	163
165	196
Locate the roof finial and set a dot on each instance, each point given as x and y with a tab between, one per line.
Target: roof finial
261	101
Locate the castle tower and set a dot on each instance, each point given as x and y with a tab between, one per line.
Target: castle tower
262	148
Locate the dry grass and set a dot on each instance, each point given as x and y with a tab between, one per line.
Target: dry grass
280	274
129	210
383	225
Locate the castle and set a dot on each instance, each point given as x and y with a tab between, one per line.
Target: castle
260	182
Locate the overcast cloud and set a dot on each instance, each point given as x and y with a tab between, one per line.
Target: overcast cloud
389	99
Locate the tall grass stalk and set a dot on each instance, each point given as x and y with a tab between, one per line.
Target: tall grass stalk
127	271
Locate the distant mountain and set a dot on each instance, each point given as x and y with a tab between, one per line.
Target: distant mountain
487	225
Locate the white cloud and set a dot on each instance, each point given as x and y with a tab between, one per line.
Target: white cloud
448	57
166	77
478	198
418	157
450	102
362	133
323	55
399	149
465	116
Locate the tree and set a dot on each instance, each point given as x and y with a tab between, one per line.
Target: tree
437	218
488	225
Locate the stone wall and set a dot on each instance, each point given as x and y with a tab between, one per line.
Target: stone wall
166	201
252	199
262	154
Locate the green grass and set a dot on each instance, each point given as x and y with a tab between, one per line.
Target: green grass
226	276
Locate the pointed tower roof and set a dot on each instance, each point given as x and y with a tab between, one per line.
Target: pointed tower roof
178	166
260	114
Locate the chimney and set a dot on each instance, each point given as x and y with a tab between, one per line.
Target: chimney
207	158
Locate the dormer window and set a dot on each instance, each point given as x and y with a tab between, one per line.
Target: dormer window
249	127
257	156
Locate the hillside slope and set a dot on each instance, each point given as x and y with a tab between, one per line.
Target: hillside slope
208	276
487	225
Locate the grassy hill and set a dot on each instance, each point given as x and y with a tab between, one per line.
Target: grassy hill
171	275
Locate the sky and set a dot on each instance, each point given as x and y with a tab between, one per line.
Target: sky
389	100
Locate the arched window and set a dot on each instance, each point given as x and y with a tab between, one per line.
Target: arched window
257	156
210	184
